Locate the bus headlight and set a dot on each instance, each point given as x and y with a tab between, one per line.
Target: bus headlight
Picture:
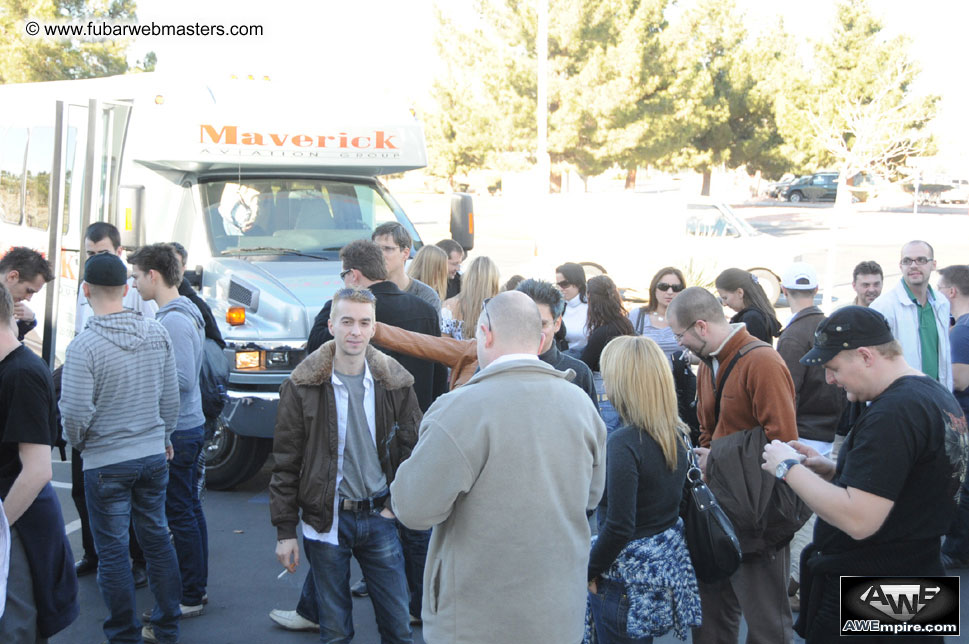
247	359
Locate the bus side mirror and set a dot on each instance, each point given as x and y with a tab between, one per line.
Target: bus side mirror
194	277
462	220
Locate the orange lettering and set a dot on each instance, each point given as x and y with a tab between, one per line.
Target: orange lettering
355	142
229	131
252	138
302	140
277	140
384	142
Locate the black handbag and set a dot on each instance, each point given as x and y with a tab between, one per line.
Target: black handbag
710	537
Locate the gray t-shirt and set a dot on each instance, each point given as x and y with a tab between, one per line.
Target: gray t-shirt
362	474
425	292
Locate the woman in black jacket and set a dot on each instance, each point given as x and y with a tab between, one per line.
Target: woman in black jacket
740	291
641	582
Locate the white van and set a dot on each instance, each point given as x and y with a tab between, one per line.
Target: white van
262	183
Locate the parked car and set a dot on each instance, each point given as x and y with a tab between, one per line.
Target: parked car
774	189
959	193
820	186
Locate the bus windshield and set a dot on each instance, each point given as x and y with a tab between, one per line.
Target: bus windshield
292	216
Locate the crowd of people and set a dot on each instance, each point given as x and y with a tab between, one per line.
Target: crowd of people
506	463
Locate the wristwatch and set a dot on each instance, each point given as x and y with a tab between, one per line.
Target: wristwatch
784	466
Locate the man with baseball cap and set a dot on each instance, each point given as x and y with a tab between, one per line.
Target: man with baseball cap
819	403
119	404
884	506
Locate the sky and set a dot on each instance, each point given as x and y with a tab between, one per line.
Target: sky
392	43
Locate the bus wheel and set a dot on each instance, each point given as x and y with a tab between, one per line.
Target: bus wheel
231	459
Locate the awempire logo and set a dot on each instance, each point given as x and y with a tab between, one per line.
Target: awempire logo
900	606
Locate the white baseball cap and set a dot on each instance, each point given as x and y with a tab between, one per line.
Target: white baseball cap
800	277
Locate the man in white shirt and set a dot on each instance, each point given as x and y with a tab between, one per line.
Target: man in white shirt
102	237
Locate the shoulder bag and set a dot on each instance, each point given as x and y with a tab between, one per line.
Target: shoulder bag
710	537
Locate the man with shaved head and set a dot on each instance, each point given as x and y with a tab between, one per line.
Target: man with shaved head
505	470
917	315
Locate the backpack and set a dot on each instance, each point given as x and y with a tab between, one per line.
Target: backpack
213	379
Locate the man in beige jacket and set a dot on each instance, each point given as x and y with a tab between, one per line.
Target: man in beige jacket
506	469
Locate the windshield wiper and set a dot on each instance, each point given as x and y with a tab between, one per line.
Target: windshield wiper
273	249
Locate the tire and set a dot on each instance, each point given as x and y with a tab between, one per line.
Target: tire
231	459
592	269
769	282
795	197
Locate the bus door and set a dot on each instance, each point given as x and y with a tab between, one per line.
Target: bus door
88	141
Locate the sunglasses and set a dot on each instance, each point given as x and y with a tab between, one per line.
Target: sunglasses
564	284
343	274
663	286
484	307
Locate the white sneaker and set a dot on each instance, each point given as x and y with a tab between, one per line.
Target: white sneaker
292	621
191	611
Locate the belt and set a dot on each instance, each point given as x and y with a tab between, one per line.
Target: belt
366	505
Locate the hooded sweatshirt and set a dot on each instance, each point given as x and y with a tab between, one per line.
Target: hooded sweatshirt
119	389
186	326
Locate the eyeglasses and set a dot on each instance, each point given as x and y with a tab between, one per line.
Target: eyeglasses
484	307
564	284
391	249
921	261
343	274
679	336
663	286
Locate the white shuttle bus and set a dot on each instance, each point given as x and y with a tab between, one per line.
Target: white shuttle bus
263	184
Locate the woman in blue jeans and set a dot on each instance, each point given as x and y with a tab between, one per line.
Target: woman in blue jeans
641	582
606	320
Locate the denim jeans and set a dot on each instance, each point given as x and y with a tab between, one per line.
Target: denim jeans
183	507
373	540
414	543
610	608
116	495
956	544
608	413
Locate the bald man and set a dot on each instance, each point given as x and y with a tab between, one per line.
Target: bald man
505	470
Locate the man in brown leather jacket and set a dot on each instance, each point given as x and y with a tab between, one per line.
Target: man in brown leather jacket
347	418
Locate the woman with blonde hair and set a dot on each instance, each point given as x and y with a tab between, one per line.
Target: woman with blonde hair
478	283
640	558
430	266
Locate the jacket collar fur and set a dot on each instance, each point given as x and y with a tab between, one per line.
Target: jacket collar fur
317	368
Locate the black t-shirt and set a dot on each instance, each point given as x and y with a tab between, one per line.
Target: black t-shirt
642	495
908	446
600	337
28	412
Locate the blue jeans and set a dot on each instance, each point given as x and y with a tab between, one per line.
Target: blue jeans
116	495
956	543
183	508
414	543
610	608
607	412
373	540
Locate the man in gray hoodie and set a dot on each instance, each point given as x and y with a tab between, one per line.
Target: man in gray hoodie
119	406
157	272
505	470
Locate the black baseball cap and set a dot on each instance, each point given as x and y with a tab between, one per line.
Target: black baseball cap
848	328
105	269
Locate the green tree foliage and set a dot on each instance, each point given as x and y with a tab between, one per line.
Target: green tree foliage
857	111
608	76
725	87
24	58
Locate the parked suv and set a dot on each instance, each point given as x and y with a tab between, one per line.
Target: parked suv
820	186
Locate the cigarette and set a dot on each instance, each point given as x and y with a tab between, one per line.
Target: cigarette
280	575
